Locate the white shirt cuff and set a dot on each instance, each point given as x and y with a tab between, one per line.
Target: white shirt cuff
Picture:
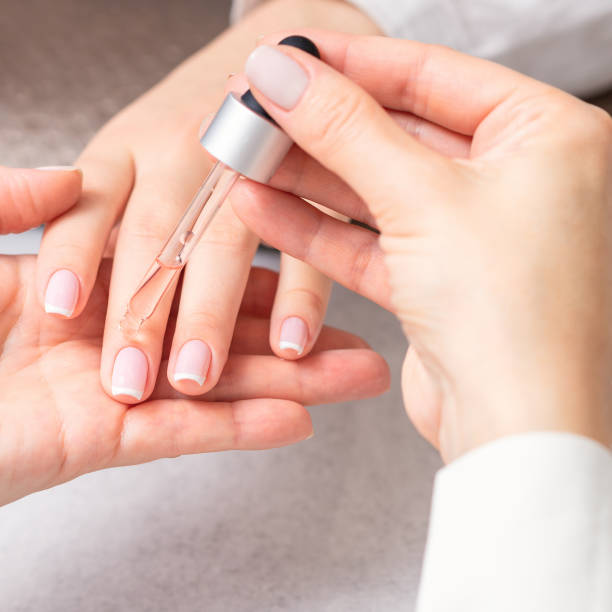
523	523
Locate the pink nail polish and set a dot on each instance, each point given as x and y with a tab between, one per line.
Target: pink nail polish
62	293
294	335
129	373
192	362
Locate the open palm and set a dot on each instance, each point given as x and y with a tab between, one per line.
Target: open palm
56	422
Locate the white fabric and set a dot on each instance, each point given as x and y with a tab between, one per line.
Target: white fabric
563	42
523	523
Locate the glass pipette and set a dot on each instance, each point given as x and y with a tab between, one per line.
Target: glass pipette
245	141
175	253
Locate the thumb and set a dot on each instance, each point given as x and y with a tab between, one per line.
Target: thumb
344	128
30	197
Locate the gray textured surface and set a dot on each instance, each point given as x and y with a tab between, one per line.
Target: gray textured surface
336	523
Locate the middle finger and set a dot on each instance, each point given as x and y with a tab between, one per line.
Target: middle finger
129	366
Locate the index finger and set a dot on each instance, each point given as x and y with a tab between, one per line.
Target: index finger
446	87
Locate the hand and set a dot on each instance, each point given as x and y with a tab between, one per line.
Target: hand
143	169
56	421
493	200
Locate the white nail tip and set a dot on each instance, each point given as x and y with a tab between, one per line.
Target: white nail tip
51	309
284	344
58	168
135	393
188	376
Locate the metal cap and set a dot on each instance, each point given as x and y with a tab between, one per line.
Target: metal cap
245	141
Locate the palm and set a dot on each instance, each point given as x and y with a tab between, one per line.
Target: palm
52	399
57	421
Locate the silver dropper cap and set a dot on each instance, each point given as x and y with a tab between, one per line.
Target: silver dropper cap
245	141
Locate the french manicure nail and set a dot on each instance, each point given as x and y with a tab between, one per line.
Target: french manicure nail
294	335
192	362
129	373
62	293
276	75
59	168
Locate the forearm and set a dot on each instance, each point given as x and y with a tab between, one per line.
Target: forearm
277	15
227	53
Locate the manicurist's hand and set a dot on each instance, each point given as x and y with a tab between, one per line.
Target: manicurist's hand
57	422
141	171
493	197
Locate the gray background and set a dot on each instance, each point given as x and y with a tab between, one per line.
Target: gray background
334	523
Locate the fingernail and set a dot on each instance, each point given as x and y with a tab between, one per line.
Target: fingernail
129	373
192	362
310	436
294	335
204	125
276	75
62	293
57	168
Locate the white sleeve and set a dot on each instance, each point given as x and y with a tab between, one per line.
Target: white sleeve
563	42
523	523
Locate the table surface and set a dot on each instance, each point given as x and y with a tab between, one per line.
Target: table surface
334	523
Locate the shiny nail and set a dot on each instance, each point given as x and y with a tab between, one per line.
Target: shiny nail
129	373
59	168
192	362
62	293
294	335
276	75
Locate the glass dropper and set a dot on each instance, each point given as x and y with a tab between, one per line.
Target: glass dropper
245	141
174	255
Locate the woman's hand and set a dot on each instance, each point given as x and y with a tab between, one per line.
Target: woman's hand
56	421
493	200
142	170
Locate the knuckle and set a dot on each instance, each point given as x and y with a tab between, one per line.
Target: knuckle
202	323
359	268
338	121
601	126
174	427
230	235
590	127
75	253
21	207
589	140
149	224
309	300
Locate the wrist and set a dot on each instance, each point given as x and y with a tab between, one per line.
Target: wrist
464	428
337	15
203	76
280	15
